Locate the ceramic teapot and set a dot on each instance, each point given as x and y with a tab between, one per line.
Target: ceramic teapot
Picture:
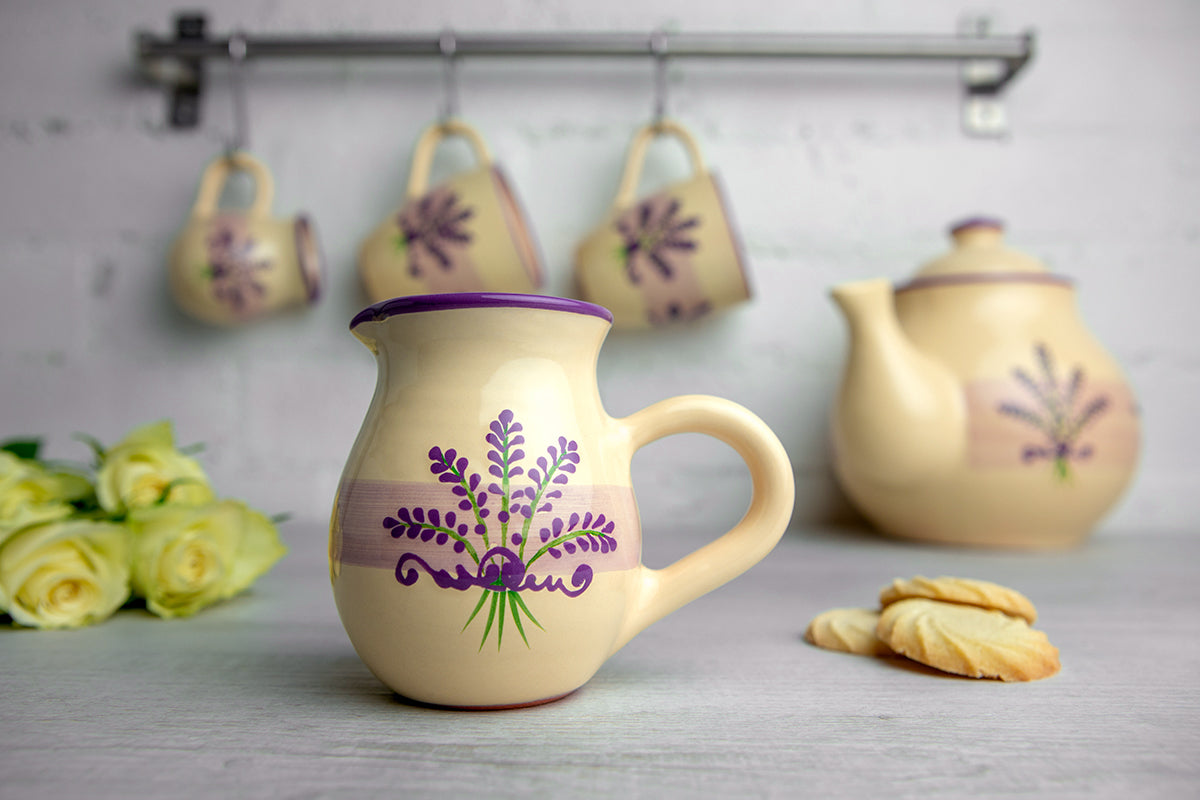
975	407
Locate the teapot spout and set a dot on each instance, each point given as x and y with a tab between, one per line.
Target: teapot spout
900	415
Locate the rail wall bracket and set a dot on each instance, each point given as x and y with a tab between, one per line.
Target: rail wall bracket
984	81
182	74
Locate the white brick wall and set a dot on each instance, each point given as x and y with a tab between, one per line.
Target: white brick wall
835	172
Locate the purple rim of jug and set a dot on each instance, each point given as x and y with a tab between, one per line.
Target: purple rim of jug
410	304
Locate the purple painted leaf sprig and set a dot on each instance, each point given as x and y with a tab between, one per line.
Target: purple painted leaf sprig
497	543
657	233
1053	415
437	223
234	269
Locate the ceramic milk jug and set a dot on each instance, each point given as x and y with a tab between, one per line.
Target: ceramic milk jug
485	544
975	408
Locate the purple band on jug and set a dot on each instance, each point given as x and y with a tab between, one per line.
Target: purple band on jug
459	300
366	507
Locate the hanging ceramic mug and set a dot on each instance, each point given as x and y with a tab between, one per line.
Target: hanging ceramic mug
465	234
485	545
231	266
671	256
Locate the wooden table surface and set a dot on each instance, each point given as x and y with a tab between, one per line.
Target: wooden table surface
264	697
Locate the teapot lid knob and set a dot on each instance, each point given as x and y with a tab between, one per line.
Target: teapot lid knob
977	228
978	251
977	221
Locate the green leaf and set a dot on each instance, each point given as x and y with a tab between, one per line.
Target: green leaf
170	487
503	610
491	618
516	596
88	507
23	448
92	442
281	518
512	601
193	449
483	595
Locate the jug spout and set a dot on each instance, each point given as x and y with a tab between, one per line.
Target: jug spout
365	328
900	415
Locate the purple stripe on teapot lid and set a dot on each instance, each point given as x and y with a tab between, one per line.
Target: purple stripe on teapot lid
410	304
977	221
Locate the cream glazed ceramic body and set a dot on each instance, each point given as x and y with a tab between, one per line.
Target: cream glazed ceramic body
976	408
485	542
669	257
469	233
228	267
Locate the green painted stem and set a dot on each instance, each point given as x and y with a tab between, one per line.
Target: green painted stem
558	542
456	537
537	501
462	481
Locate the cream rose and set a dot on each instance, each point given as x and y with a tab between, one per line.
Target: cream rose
137	472
188	557
29	493
64	574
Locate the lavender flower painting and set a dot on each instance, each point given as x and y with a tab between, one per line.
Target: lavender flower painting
1059	413
657	244
432	229
500	531
654	235
234	270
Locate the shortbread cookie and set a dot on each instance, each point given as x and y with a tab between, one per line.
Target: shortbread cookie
967	640
849	630
961	590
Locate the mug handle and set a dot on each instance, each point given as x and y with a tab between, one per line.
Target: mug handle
632	176
426	146
662	591
217	172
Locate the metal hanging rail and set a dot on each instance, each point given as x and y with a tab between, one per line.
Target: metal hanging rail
989	62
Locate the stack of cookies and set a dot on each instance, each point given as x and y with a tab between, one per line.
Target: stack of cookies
957	625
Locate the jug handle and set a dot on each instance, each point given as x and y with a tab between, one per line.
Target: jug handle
217	172
632	175
662	591
426	146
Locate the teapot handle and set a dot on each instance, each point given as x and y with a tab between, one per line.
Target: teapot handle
426	146
626	194
662	591
217	172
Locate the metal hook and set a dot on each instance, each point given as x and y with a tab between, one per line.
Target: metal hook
237	61
658	49
448	46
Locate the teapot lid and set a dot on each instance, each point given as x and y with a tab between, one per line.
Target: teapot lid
979	255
